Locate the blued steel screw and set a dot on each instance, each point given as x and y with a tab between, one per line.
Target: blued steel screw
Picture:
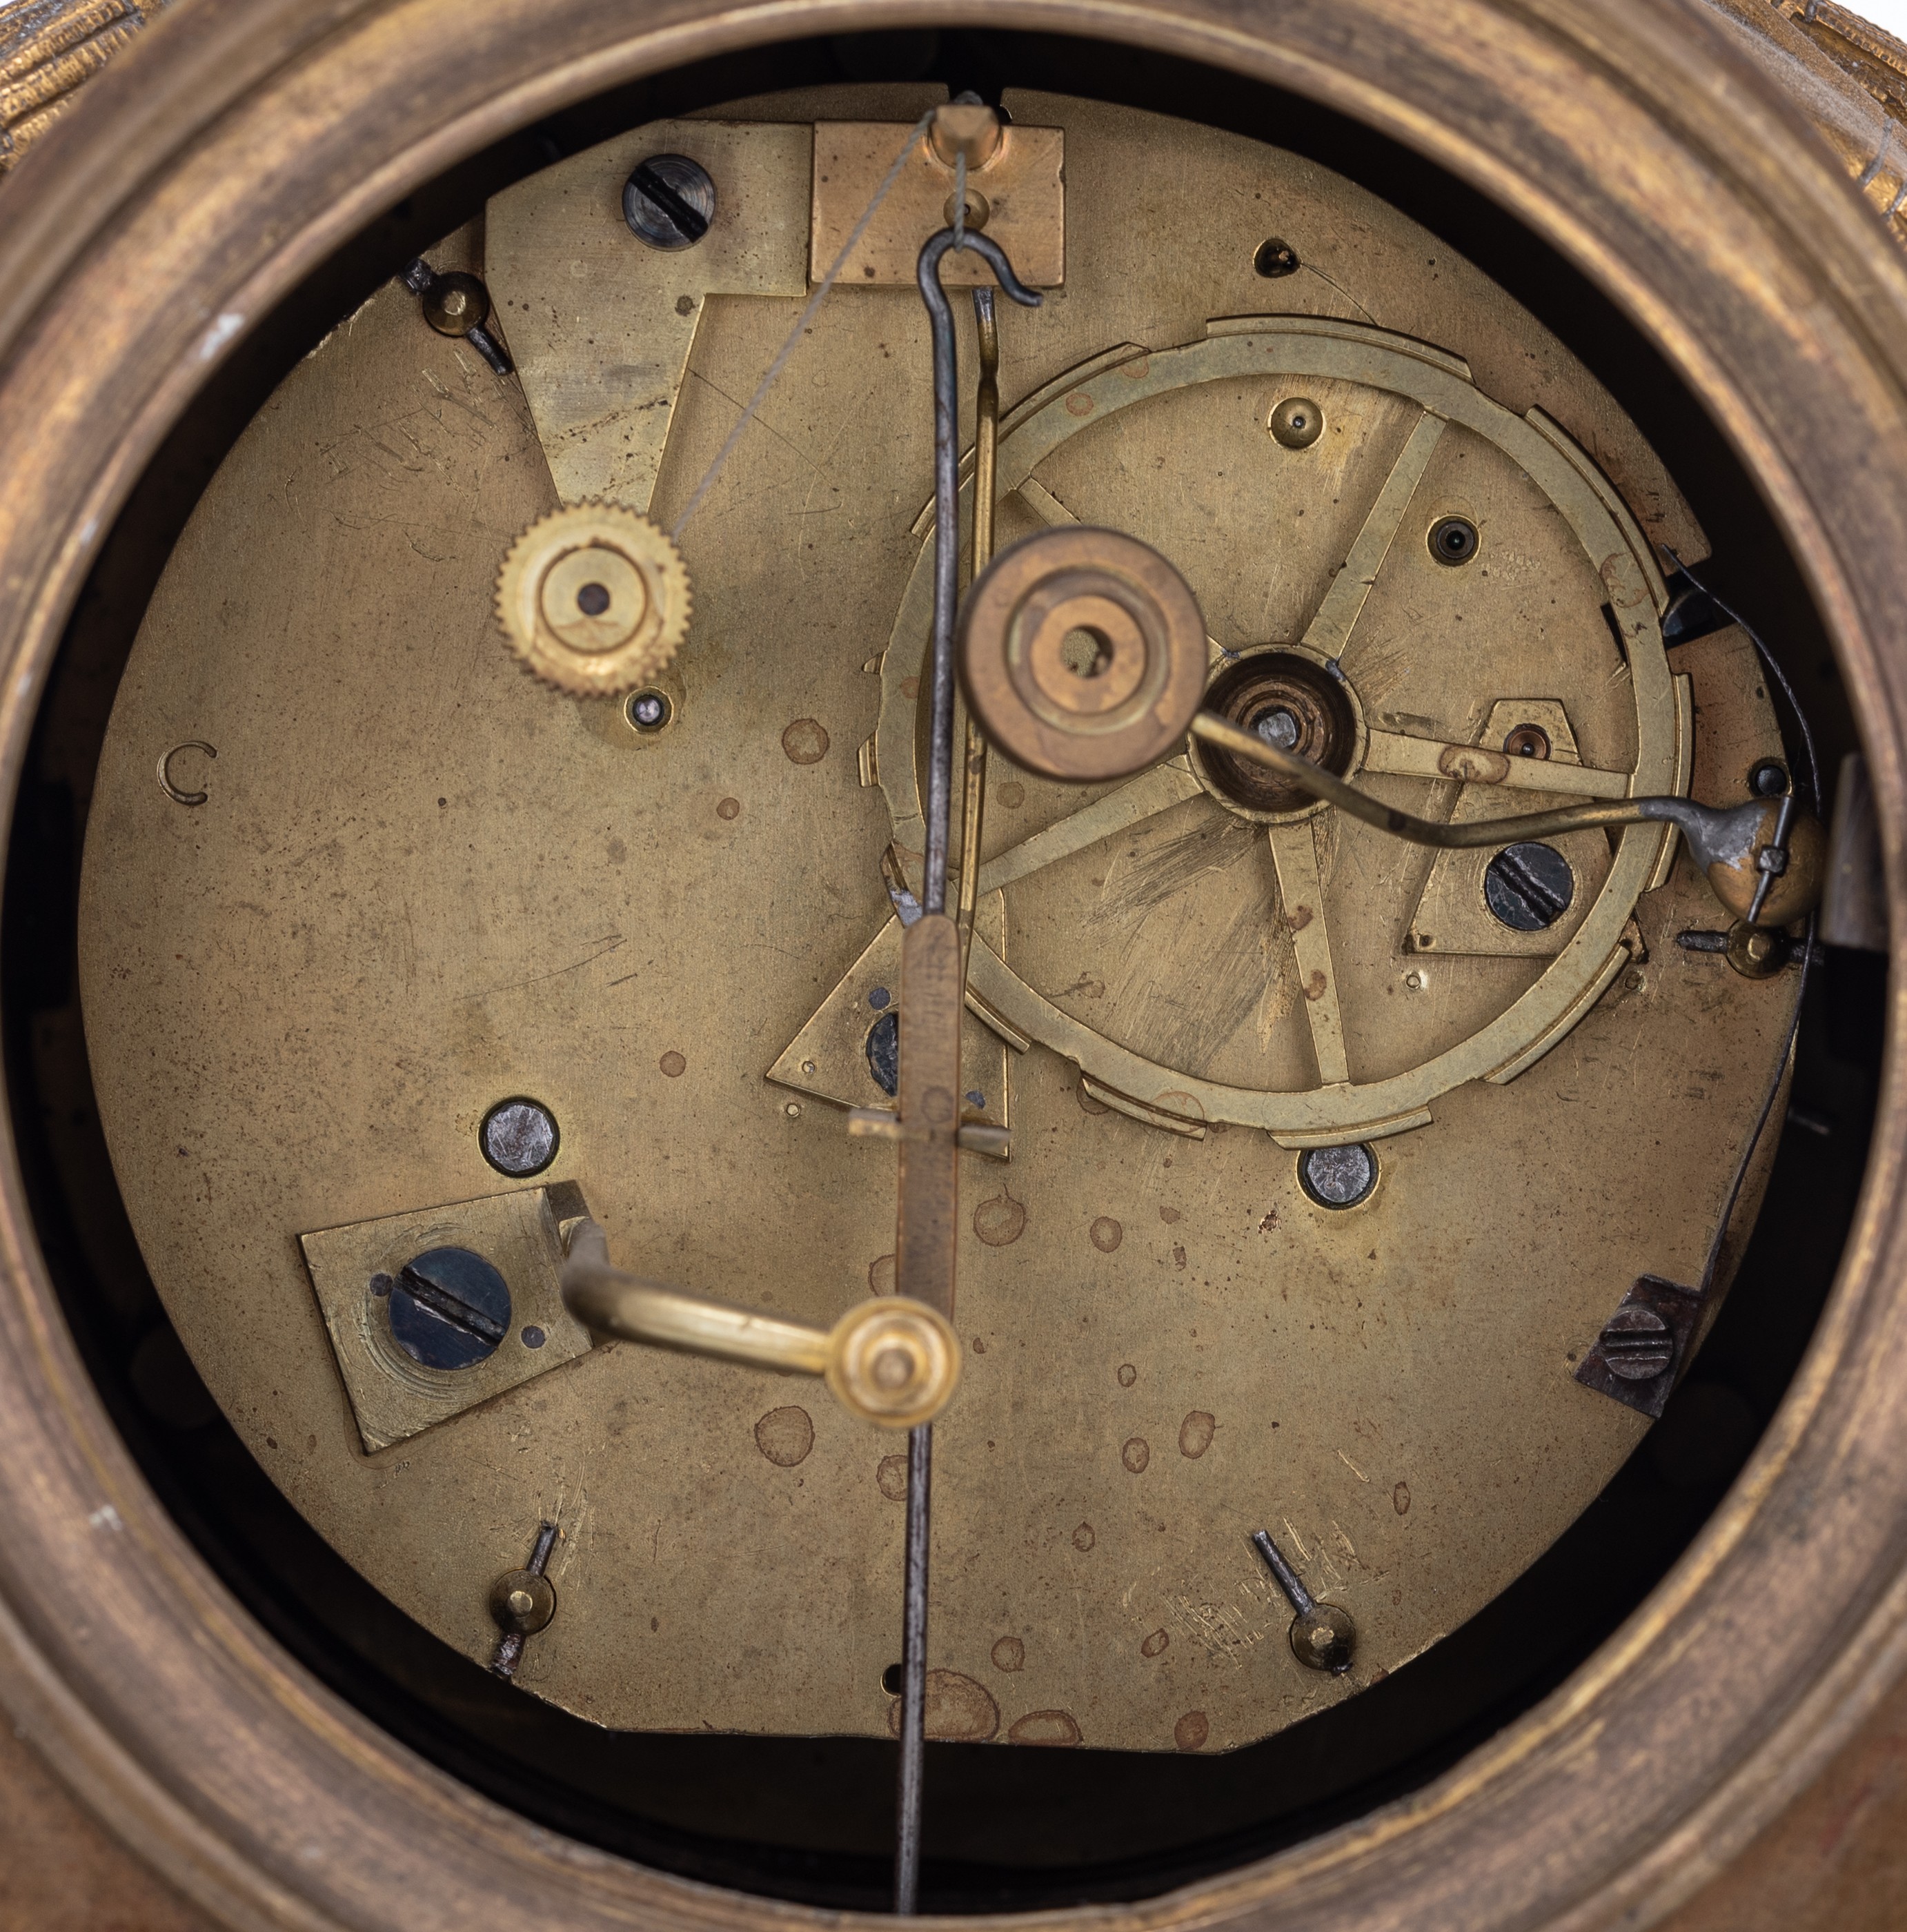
449	1309
1636	1344
1337	1177
1529	887
669	201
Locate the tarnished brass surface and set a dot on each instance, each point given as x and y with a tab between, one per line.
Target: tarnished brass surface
1393	406
548	904
576	292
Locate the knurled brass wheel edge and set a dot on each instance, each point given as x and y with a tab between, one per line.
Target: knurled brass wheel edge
194	186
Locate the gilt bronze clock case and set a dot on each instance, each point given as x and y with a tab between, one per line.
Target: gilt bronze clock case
204	180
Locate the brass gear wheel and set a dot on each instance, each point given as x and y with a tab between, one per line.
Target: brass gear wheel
594	599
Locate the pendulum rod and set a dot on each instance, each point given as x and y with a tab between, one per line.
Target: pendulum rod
932	998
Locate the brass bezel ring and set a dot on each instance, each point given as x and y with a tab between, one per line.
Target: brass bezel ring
644	581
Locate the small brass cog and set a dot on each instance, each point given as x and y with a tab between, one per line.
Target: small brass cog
594	599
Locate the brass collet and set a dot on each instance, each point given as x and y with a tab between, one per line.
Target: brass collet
890	1361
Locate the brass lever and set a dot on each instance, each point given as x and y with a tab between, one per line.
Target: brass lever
890	1361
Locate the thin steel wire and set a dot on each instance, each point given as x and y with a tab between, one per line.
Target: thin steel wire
1697	823
913	1673
946	538
801	327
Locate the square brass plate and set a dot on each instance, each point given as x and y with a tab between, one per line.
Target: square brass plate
394	1396
1024	187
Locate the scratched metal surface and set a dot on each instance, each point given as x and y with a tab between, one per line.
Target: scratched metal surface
420	884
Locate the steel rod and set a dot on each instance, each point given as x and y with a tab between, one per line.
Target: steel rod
1708	829
934	900
913	1672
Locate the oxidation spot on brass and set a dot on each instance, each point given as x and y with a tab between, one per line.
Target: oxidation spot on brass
729	807
1135	1454
1088	1103
1044	1727
883	1052
1000	1221
1155	1645
1012	794
805	741
785	1436
891	1478
1192	1730
1082	1538
1105	1233
1009	1654
1128	1375
1400	1499
960	1710
880	1275
1195	1434
673	1066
